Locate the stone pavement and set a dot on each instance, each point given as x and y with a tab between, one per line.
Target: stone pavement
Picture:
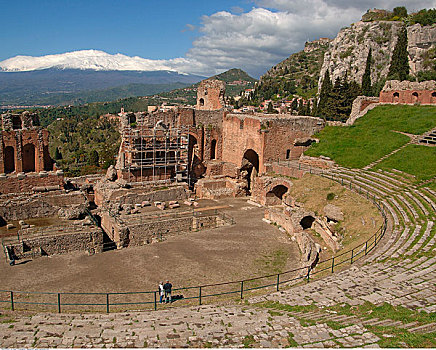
400	271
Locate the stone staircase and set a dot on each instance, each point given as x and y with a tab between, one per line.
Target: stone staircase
428	138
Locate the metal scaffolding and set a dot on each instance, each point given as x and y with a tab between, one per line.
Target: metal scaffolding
156	150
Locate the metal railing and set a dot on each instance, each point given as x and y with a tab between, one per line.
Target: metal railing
123	301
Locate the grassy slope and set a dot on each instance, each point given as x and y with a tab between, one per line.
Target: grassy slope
373	136
413	159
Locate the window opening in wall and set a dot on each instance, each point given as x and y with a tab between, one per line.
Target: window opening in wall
201	101
213	149
288	153
16	123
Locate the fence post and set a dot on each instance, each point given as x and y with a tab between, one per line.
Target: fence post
199	296
342	181
366	247
375	239
155	302
308	274
242	289
59	302
12	301
278	281
333	263
352	255
107	302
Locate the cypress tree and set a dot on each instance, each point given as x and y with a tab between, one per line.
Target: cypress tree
366	79
399	68
93	158
326	89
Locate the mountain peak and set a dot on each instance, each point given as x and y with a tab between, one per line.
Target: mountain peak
83	59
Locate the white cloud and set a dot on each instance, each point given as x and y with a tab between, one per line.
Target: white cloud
258	39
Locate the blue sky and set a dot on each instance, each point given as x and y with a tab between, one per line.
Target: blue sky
195	36
155	29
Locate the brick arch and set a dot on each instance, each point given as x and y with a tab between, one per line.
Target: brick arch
276	191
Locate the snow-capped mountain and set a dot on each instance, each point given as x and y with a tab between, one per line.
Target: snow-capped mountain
86	59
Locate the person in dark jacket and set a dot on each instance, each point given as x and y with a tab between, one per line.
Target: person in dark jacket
167	288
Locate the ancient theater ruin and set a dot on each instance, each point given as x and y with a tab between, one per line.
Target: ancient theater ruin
168	163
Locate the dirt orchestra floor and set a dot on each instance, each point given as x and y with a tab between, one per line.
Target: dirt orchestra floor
247	249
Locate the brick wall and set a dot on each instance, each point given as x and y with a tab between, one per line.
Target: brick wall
27	182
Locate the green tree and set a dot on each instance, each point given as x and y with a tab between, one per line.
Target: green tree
400	12
366	79
326	89
399	68
93	158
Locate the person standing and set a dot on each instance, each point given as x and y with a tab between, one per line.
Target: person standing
161	292
167	288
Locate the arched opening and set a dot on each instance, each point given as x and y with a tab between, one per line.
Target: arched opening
433	97
307	222
201	101
275	196
9	159
16	123
414	97
29	158
250	168
213	149
396	97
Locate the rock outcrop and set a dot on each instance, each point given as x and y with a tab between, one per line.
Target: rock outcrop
348	52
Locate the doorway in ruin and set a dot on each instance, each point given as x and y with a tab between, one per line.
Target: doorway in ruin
195	166
213	149
433	97
9	159
250	168
307	222
414	97
396	97
29	158
275	196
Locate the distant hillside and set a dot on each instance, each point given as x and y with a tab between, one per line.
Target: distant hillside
64	86
236	81
296	75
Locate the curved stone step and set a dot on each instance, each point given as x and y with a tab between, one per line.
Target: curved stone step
418	245
402	249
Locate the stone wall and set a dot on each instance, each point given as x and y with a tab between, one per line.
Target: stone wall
110	191
41	182
407	92
90	241
285	170
317	162
210	94
22	207
271	137
306	244
23	145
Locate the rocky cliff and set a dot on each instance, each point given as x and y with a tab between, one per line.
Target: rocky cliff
347	53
